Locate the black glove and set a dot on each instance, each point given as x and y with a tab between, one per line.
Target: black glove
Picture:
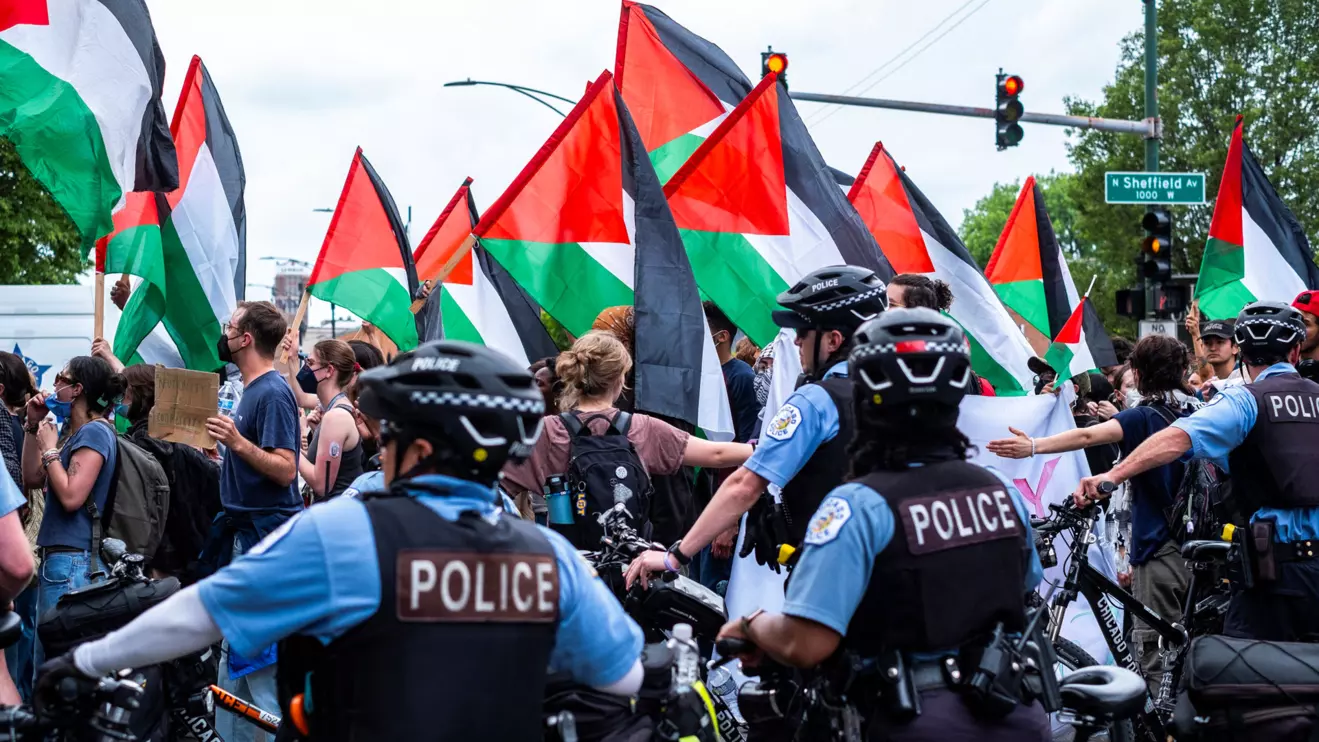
53	689
761	532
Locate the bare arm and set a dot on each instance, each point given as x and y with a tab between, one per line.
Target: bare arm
74	485
34	477
713	455
793	641
16	562
1019	446
735	497
277	464
336	430
1164	447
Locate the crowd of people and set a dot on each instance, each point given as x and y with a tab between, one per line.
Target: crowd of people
340	477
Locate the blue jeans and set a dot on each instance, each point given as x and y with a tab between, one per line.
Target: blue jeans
710	570
61	572
21	654
258	688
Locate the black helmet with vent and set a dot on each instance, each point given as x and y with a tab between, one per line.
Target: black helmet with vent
476	407
839	297
1266	332
906	356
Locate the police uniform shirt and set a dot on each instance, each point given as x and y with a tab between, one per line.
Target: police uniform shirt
1221	426
317	575
374	481
806	421
849	530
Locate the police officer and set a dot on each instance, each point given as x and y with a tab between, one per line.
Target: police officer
917	560
421	613
1265	435
804	449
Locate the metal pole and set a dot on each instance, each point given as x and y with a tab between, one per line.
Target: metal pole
1120	126
334	333
1152	114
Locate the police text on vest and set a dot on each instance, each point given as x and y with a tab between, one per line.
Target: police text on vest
468	587
958	518
1292	407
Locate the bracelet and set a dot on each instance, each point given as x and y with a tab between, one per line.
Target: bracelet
668	565
32	429
1032	448
746	622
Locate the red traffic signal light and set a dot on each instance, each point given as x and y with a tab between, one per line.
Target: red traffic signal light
776	63
1013	85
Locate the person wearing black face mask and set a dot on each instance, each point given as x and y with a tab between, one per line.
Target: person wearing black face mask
334	456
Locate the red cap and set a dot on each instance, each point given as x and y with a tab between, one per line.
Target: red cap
1307	301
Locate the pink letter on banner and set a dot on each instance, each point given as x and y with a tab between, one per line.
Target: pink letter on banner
1033	495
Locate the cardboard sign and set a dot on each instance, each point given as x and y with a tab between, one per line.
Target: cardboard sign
184	399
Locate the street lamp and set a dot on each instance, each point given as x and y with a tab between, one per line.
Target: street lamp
522	89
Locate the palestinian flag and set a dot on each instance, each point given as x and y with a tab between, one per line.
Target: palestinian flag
917	239
585	227
478	301
682	89
1030	275
1068	353
197	272
134	248
80	88
365	264
1256	249
748	237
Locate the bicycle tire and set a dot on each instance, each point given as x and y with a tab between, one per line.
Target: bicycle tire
1073	657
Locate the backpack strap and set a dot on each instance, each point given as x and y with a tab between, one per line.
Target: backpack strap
98	518
578	427
622	422
574	426
1161	408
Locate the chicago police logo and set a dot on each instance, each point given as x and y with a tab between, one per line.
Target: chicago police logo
36	369
828	522
785	423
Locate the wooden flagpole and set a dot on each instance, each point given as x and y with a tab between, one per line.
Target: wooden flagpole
98	292
447	268
297	322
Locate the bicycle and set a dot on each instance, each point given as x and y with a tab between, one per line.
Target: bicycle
1203	610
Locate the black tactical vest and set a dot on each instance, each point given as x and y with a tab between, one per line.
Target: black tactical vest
1273	467
956	565
825	468
460	646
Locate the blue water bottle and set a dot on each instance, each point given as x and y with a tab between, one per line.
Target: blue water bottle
557	500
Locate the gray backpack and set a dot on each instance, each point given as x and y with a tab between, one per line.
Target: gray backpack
138	503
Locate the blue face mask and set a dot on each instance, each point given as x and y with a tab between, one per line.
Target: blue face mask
121	410
62	410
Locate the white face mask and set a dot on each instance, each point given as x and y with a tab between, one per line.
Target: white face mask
1133	399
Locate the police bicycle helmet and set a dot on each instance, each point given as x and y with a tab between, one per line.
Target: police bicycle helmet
1266	332
839	297
906	356
477	408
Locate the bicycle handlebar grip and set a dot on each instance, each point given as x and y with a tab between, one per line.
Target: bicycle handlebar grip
730	647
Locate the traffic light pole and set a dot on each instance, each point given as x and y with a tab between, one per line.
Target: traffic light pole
1147	128
1151	114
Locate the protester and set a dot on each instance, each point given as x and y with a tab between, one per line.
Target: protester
547	380
912	290
1199	372
336	442
747	351
593	373
368	357
1220	350
1122	349
194	479
15	389
80	473
1159	575
764	368
257	482
1307	303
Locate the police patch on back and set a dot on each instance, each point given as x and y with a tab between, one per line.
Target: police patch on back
958	518
462	587
1292	407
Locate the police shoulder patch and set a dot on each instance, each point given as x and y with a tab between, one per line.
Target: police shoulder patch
829	520
785	423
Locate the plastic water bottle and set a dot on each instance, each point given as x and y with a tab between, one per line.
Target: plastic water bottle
686	658
722	683
685	716
230	395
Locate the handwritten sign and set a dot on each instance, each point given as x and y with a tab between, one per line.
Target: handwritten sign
184	399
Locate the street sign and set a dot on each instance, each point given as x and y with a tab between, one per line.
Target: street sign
1158	327
1154	188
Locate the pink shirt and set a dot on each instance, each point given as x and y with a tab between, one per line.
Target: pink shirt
659	445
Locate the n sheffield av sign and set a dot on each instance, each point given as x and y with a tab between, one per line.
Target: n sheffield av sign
1154	188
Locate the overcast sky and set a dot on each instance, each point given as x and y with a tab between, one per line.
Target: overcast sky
304	83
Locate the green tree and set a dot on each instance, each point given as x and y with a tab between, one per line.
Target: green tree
38	242
1217	59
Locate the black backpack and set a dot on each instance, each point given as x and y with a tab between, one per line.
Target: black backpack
604	470
1203	503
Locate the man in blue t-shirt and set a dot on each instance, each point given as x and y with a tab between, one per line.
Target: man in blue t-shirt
258	479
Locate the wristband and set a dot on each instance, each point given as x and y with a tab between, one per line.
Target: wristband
669	565
746	622
1032	448
678	556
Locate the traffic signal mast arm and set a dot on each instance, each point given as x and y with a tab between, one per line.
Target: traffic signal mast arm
1150	128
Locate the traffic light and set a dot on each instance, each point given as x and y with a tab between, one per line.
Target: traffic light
776	62
1156	249
1008	111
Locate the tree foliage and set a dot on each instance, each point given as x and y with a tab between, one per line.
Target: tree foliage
1217	59
38	242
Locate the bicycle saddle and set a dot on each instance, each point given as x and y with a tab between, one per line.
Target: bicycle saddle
11	628
1104	691
1204	551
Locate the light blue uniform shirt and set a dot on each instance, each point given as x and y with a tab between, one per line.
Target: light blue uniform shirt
834	569
11	497
374	481
807	420
318	575
1220	426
